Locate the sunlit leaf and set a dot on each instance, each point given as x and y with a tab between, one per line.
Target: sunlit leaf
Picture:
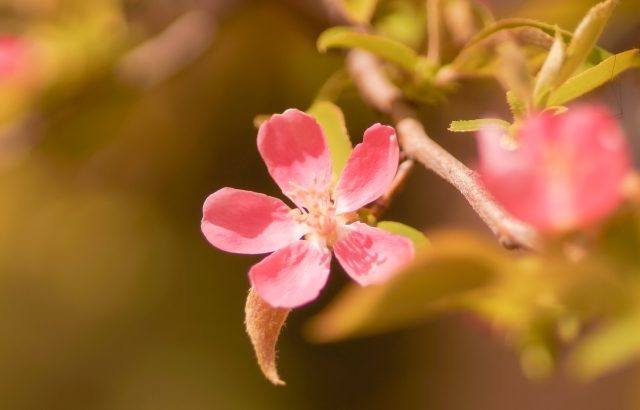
479	57
421	88
477	125
517	107
334	86
456	264
332	122
585	38
537	361
619	241
405	23
595	56
610	347
383	47
420	241
594	77
264	324
550	69
478	54
360	11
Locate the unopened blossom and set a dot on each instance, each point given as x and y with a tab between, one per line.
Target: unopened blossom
294	149
558	172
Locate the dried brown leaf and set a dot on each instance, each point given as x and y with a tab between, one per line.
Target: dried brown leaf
264	323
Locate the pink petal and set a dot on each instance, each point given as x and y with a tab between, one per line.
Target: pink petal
247	222
295	151
567	171
292	276
11	53
370	169
370	255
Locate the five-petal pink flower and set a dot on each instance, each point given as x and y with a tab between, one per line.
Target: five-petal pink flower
294	148
565	171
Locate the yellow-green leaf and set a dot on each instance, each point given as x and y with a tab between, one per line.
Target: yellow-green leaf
610	347
550	69
593	77
404	22
597	54
477	125
517	107
383	47
585	38
334	86
479	57
474	58
332	122
360	11
420	241
456	264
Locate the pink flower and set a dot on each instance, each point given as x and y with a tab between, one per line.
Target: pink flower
295	151
565	171
13	56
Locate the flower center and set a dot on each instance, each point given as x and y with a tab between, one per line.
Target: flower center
317	210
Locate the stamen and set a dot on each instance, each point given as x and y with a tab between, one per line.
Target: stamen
316	209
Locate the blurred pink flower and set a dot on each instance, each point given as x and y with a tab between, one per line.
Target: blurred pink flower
294	148
565	171
13	56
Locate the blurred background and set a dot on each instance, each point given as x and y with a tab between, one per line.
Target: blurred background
117	119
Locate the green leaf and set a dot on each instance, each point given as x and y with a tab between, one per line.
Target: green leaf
456	264
477	125
610	347
477	55
360	11
480	58
550	69
516	105
404	22
593	77
619	241
420	241
383	47
597	54
332	122
334	86
585	38
536	361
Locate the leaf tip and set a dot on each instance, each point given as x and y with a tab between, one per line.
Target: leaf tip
264	323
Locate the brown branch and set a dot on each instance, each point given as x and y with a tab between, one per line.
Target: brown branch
380	206
160	57
380	93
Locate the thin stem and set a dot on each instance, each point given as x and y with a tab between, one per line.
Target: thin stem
433	31
380	93
382	204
